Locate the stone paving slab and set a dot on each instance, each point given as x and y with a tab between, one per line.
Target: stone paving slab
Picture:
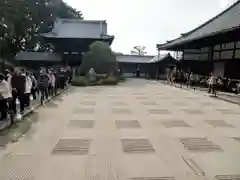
138	130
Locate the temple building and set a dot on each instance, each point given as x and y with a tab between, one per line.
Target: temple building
148	66
213	46
70	39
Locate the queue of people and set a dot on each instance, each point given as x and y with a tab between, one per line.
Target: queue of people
211	82
192	80
21	86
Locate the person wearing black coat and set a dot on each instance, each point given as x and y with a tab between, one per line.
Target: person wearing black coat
18	81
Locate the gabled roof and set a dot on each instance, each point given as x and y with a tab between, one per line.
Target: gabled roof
227	20
141	59
37	56
159	58
76	28
126	58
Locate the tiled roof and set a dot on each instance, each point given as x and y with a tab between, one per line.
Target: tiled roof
159	58
133	58
227	20
141	59
37	56
75	28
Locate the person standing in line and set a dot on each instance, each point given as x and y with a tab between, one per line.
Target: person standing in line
5	98
168	71
18	89
70	74
43	84
28	87
56	75
191	79
137	72
52	82
34	86
212	85
182	78
62	78
173	75
8	75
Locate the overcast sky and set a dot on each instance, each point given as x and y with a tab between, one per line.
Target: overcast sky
148	22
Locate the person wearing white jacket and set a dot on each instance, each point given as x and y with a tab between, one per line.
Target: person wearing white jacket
28	87
52	81
5	97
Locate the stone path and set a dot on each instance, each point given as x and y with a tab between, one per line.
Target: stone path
139	130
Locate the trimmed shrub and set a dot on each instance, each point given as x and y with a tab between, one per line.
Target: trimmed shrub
101	76
80	81
100	57
121	78
109	81
101	80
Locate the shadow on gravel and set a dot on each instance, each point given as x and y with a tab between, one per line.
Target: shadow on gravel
58	98
14	132
24	126
51	104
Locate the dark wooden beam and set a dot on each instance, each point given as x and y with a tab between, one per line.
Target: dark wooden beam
234	50
194	53
211	53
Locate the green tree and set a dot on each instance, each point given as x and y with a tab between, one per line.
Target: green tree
100	57
22	20
138	50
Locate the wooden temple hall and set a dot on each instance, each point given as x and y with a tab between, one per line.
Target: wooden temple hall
147	66
70	39
213	46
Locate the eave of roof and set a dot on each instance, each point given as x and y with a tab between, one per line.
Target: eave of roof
126	58
37	56
159	58
60	24
183	38
136	55
148	60
53	35
65	20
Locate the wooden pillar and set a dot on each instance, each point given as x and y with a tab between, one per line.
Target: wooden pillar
220	52
210	58
211	53
234	50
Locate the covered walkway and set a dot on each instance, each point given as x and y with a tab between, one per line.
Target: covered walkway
138	130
